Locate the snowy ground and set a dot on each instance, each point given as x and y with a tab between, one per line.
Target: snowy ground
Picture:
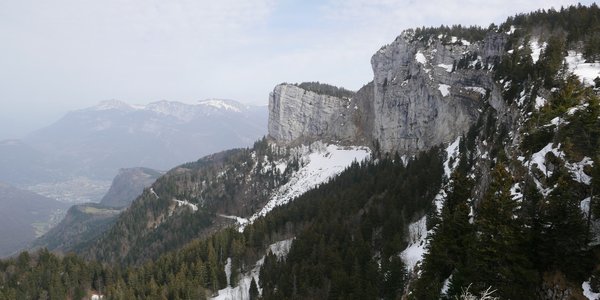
587	291
413	254
180	203
417	231
536	50
586	72
575	168
320	165
444	89
241	290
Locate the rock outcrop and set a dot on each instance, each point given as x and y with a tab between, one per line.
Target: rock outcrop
424	92
128	185
297	115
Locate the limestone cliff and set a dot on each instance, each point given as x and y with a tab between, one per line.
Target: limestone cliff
425	91
429	92
298	115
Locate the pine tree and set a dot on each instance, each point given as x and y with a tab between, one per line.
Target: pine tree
500	259
253	290
565	230
451	241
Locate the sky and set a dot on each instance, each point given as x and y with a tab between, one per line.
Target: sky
62	55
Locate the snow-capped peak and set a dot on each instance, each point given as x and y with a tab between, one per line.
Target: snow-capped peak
182	111
112	104
222	104
175	109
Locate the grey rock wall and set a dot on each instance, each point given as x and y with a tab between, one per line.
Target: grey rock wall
297	115
417	98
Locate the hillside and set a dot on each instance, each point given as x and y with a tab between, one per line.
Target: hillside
25	216
466	169
127	185
84	223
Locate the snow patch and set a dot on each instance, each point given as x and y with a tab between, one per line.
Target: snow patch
587	291
539	102
413	254
576	170
220	104
584	205
320	164
539	158
180	203
112	105
477	89
536	50
448	68
451	161
439	200
515	193
420	57
281	248
242	290
154	193
444	89
240	220
586	72
446	286
228	271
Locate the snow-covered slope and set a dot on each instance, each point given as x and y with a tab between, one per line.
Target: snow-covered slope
320	163
586	72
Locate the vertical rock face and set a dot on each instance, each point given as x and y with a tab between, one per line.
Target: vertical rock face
424	95
424	92
297	115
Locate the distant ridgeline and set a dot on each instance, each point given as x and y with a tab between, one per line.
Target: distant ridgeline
467	169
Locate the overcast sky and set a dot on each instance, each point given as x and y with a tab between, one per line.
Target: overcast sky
61	55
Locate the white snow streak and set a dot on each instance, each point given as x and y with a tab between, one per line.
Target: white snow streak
180	203
413	254
451	161
219	104
242	290
448	68
536	50
539	158
477	89
228	271
576	170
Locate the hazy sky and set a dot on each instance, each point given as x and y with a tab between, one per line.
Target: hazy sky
62	55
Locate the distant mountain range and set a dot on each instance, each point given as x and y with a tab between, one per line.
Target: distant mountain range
96	142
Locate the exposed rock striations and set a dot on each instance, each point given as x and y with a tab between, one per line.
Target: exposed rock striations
299	115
